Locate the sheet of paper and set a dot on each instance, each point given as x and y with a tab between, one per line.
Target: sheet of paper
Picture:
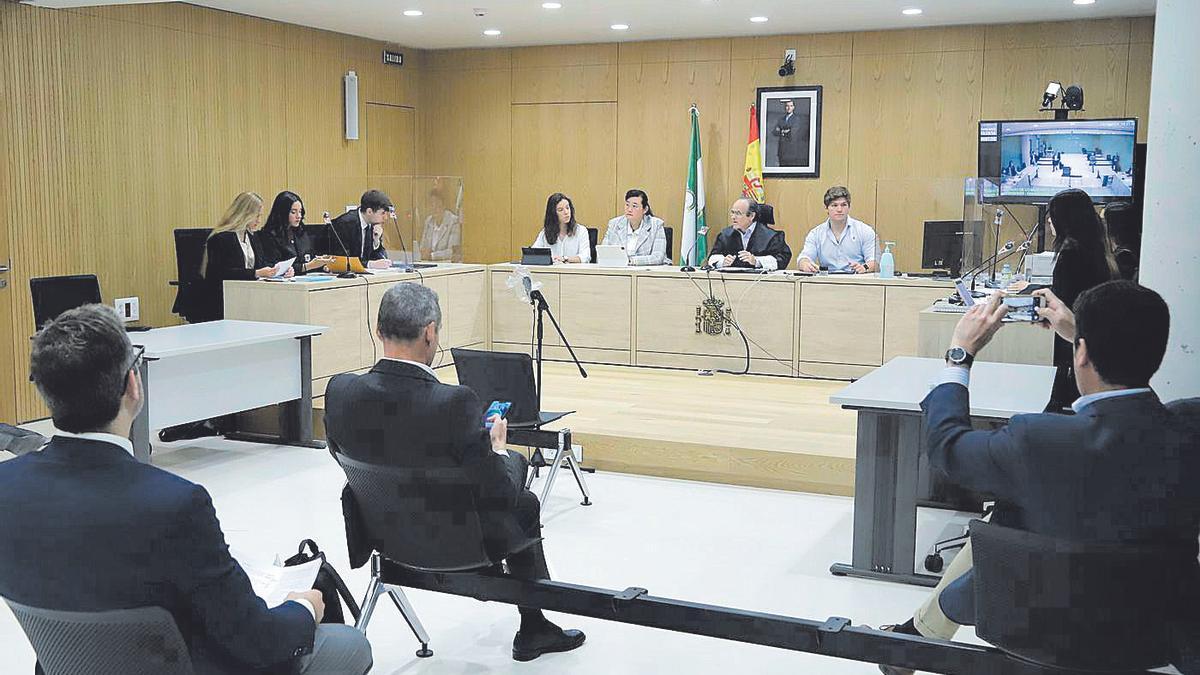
272	583
283	266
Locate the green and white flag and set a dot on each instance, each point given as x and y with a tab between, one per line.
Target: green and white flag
694	244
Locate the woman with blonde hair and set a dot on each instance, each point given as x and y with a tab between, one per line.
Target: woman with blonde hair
234	252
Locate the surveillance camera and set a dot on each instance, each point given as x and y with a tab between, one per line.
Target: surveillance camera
1052	90
1072	98
789	64
480	12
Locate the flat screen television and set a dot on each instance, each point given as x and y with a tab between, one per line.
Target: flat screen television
1032	160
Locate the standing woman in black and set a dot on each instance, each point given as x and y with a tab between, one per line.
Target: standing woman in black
282	236
1083	259
234	252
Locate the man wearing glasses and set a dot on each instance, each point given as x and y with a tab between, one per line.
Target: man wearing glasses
748	242
97	530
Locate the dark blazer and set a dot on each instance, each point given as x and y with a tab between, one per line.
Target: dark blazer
89	528
225	260
1123	470
349	228
295	244
793	140
764	241
1073	274
400	415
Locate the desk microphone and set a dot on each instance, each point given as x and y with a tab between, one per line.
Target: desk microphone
347	274
527	284
999	219
1005	251
687	267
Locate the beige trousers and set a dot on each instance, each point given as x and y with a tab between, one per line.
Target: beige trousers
929	619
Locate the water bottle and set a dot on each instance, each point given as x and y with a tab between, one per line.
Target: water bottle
1005	276
887	263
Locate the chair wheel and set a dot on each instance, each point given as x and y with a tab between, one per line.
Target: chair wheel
424	652
934	562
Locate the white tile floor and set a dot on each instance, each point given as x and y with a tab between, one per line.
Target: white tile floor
748	548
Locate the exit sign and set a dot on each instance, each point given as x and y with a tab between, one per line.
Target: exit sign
393	58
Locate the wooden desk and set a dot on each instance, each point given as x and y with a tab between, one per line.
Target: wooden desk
1016	342
349	308
825	326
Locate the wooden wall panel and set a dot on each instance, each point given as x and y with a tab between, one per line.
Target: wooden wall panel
1137	91
1016	78
571	74
561	148
137	120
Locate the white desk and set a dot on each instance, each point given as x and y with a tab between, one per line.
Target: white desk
889	459
200	371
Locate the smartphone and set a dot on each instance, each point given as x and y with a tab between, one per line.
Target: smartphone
1023	307
496	408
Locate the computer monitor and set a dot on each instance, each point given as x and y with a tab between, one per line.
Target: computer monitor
320	239
1033	160
54	295
942	248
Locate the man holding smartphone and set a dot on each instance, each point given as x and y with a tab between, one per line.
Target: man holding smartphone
399	414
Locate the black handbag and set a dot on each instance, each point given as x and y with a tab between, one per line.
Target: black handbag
329	582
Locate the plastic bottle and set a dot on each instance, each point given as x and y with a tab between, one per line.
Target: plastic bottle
887	263
1005	276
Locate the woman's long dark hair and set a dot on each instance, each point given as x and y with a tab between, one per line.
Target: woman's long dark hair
1078	228
550	224
277	226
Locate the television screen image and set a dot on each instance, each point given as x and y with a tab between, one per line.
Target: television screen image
1034	160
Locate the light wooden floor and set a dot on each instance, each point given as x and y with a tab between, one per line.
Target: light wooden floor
743	430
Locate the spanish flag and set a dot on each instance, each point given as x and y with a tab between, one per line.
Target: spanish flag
752	184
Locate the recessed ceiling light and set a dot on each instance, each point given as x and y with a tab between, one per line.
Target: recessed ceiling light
551	5
1085	2
911	11
413	12
758	19
619	26
491	32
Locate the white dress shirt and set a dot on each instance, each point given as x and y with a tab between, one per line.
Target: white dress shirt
766	262
418	364
858	243
645	246
247	249
126	445
568	246
441	236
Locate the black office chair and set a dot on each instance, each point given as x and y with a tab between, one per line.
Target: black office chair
1073	606
766	214
670	233
504	376
417	519
194	294
593	237
54	295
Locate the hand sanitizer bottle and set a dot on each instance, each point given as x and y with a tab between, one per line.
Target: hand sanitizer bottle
887	263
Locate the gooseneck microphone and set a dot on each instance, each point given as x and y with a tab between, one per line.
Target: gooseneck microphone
329	223
1003	252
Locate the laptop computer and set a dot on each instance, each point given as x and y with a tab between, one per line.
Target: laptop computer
611	256
536	256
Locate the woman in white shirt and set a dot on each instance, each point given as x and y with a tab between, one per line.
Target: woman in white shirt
442	236
639	231
566	239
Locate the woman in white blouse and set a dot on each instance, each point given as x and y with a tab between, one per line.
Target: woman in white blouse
566	239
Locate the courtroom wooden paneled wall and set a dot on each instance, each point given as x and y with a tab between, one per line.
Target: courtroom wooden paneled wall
124	123
899	119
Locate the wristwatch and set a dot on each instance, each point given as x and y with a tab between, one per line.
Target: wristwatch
957	356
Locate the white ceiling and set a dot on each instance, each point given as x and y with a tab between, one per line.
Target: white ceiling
452	23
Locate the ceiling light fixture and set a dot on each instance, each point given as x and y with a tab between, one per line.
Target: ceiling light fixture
413	12
551	5
491	32
1085	2
911	11
758	19
619	26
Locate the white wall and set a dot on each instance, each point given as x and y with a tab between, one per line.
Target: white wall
1171	243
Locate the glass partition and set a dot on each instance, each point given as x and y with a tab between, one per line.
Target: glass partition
429	217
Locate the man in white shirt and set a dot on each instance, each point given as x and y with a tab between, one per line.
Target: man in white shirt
841	243
110	533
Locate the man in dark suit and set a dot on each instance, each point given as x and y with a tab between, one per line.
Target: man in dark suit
361	231
1123	469
792	132
748	242
399	414
93	529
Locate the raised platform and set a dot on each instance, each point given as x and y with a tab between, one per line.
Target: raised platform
761	431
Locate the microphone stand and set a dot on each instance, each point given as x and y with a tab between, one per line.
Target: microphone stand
543	308
347	274
1000	255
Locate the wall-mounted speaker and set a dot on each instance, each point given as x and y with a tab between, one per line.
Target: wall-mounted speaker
351	82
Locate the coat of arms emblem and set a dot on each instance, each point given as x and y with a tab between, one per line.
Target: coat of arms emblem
712	318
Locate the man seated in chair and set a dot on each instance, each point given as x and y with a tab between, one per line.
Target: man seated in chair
399	414
90	528
1123	469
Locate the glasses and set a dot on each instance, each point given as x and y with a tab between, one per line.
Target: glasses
735	212
133	365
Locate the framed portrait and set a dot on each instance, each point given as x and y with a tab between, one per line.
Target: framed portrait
789	129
